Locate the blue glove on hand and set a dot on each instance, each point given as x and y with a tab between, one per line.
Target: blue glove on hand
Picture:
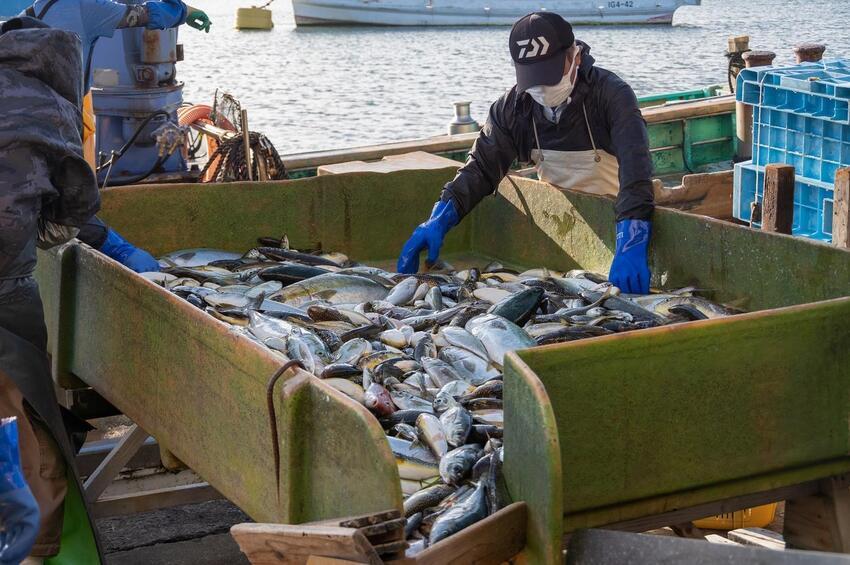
165	14
127	254
630	269
19	515
429	234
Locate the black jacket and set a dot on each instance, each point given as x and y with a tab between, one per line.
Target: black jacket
42	172
618	128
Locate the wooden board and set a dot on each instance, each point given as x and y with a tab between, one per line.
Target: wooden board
820	521
277	543
758	537
708	194
494	540
841	210
416	160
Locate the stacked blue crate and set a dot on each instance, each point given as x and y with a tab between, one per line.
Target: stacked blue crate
801	117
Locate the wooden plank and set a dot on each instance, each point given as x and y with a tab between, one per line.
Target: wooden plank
246	141
726	506
124	504
841	209
392	547
93	453
495	539
718	539
708	194
369	519
778	206
820	521
269	543
114	462
758	537
383	528
391	163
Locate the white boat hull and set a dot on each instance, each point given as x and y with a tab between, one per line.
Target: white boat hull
481	12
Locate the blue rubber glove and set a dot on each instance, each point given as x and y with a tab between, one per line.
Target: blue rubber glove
165	14
429	234
630	269
127	254
19	515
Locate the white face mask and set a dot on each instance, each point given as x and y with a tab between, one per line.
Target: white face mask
557	94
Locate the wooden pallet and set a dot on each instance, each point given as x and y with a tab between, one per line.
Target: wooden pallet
379	538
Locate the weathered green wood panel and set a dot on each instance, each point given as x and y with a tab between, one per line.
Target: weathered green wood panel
534	471
366	215
681	407
531	223
200	388
676	417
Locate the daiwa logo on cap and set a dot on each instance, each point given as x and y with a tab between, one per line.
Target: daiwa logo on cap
539	47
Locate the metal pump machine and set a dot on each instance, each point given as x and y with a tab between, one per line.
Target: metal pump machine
135	96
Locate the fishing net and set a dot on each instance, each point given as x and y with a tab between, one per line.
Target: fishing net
229	163
227	111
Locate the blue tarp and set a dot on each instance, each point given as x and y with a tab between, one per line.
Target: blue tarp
9	8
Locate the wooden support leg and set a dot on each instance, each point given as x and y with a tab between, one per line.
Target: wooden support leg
820	521
778	208
841	209
114	462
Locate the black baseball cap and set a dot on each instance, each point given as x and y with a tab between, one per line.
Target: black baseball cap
539	45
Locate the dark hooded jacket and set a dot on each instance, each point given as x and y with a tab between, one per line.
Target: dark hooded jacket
507	136
43	176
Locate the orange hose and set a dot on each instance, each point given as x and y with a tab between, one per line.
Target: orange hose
200	113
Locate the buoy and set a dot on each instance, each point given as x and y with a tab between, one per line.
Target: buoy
254	18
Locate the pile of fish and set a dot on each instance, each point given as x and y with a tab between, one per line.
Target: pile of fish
423	352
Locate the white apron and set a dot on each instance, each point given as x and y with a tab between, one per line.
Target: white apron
594	171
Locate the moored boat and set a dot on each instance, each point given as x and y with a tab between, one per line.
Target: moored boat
480	12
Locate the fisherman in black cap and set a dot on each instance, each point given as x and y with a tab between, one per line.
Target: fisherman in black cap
582	128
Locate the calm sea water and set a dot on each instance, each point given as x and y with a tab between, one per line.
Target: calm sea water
323	88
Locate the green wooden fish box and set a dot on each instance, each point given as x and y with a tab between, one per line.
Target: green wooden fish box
597	432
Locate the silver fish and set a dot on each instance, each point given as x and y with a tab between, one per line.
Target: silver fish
434	299
469	366
457	463
403	292
499	336
440	371
198	257
333	288
431	434
456	423
459	337
462	515
352	351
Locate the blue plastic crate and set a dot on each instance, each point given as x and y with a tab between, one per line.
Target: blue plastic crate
817	90
816	148
812	202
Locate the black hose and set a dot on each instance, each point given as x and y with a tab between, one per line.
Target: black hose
125	182
116	155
